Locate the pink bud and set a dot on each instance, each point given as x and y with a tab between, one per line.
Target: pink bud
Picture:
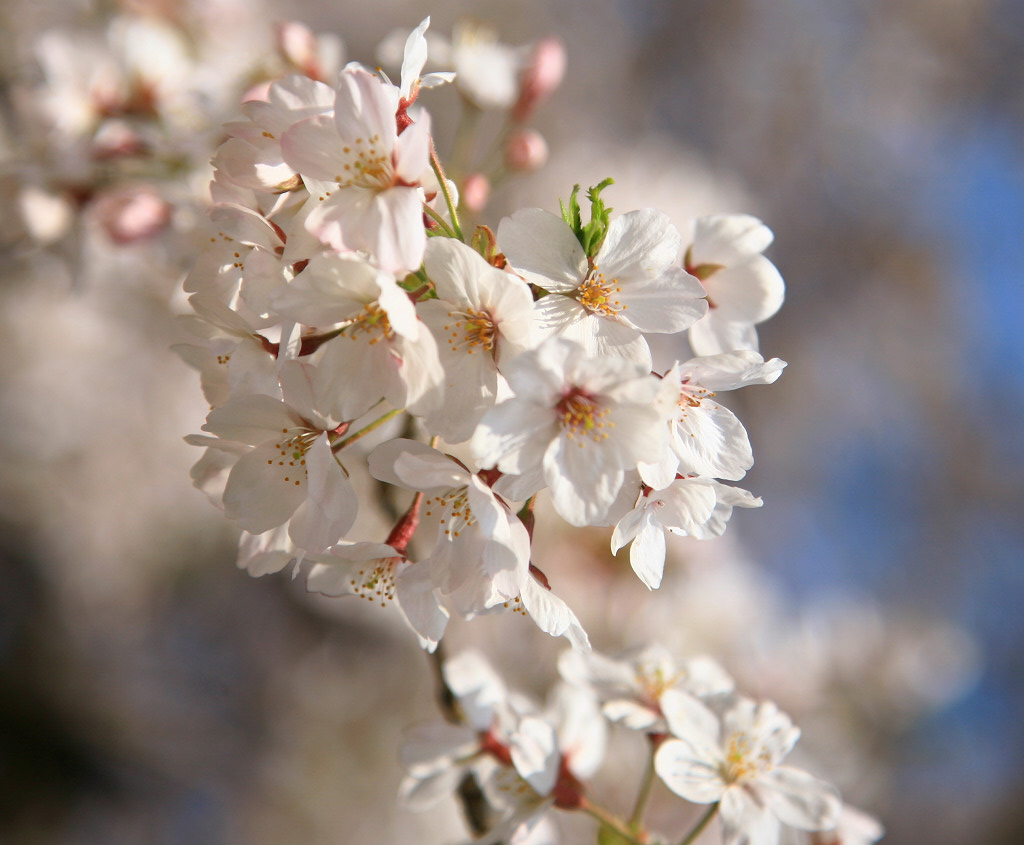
541	77
260	92
298	45
131	213
525	150
476	191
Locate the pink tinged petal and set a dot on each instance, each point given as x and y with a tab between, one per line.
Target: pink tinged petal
290	99
542	248
647	554
251	167
552	615
266	553
582	484
392	229
412	150
800	799
416	597
332	289
312	147
330	509
262	492
245	225
535	754
749	292
365	107
728	238
640	245
694	778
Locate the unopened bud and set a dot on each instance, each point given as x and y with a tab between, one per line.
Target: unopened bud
298	45
476	191
116	138
525	150
541	77
132	213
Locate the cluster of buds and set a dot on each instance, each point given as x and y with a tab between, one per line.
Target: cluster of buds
340	292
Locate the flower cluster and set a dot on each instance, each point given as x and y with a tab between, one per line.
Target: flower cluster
708	745
339	292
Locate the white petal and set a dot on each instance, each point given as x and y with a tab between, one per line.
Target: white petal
647	554
693	778
543	249
800	799
535	754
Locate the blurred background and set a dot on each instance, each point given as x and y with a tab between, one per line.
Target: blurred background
150	692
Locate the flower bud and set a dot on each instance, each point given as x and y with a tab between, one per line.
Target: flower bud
476	191
297	43
132	213
525	150
541	77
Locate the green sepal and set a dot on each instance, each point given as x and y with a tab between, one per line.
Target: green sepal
593	234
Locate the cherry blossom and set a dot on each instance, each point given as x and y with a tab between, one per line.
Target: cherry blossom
736	764
583	421
482	315
743	287
631	687
631	285
363	178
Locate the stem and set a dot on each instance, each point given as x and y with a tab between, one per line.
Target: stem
439	220
439	173
366	429
644	794
703	823
609	821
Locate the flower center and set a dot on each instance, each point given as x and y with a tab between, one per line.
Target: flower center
372	322
368	167
471	329
456	515
744	760
376	580
291	462
691	395
581	415
598	295
654	680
